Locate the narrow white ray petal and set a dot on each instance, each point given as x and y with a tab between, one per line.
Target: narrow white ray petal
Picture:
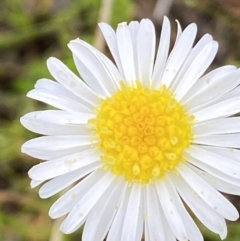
171	213
112	70
61	182
70	81
168	233
61	117
209	217
213	171
52	147
35	183
162	53
235	93
69	200
153	219
140	221
201	44
202	85
221	109
224	140
56	122
179	54
215	88
179	31
116	227
57	143
212	197
134	28
60	166
90	78
221	163
193	231
57	89
221	126
217	183
108	65
111	39
233	154
134	215
78	214
89	57
196	69
146	51
59	101
231	94
102	215
125	48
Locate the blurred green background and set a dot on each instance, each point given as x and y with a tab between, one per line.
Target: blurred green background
33	30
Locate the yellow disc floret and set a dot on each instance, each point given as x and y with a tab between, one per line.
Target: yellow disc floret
142	132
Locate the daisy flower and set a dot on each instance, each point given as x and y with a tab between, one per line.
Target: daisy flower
140	141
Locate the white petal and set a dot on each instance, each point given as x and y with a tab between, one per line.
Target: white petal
146	51
227	152
116	227
56	122
213	171
162	53
68	201
60	166
133	220
179	54
231	94
217	183
35	183
79	213
221	109
212	197
193	231
134	28
196	69
171	213
167	232
50	147
111	39
70	81
126	52
102	82
224	140
169	236
101	217
108	65
59	101
56	89
209	217
201	44
179	31
59	183
221	126
223	164
205	82
213	88
153	219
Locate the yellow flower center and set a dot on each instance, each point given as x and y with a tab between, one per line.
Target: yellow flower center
142	132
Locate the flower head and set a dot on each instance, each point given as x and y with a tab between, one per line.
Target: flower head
136	139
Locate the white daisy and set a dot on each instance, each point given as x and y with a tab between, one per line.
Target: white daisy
137	139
